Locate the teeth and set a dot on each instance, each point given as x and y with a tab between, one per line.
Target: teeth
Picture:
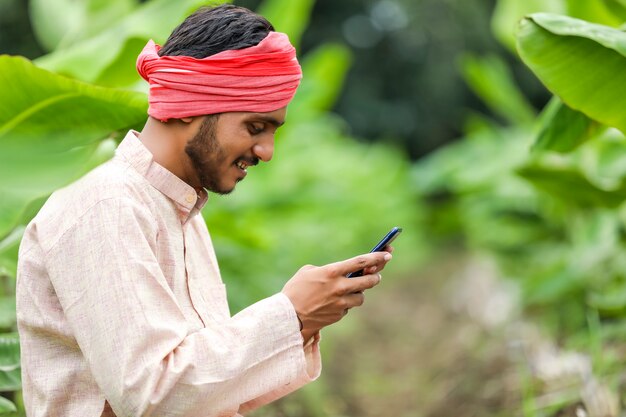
242	165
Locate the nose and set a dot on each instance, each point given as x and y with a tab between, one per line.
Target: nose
264	149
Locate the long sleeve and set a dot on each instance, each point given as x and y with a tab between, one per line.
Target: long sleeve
314	367
144	355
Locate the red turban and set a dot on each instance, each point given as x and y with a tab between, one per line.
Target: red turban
260	78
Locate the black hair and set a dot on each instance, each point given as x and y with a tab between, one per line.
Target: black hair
211	30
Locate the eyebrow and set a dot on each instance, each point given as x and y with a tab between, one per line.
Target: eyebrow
268	119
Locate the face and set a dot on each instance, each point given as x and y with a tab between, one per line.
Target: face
226	145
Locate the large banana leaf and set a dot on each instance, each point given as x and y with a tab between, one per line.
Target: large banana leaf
51	130
564	129
60	23
109	57
617	7
582	63
594	11
508	12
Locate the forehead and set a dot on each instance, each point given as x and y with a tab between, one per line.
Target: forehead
276	117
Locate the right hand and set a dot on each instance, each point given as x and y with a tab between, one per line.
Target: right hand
323	295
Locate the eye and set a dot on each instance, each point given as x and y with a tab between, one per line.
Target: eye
256	128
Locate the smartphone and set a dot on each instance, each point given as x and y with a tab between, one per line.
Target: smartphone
390	237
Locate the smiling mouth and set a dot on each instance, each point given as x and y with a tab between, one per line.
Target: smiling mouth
242	165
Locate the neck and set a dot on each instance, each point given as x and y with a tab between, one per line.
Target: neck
166	141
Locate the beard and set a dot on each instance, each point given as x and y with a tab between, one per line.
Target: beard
207	155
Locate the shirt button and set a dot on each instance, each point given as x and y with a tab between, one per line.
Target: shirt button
190	198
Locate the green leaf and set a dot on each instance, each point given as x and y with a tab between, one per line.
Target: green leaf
50	129
8	317
564	129
288	16
9	247
610	301
593	11
325	70
507	14
7	406
571	186
89	59
617	8
491	80
582	63
60	23
10	378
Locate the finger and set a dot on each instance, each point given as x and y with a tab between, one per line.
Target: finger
359	284
354	300
388	248
357	263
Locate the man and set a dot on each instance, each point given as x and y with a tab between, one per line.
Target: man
121	308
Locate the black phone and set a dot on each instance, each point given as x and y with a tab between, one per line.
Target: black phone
390	237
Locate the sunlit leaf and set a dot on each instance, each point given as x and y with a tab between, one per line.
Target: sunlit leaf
564	129
60	23
490	78
325	70
617	7
593	11
288	16
507	14
8	316
50	128
475	163
88	59
7	407
9	247
572	186
582	63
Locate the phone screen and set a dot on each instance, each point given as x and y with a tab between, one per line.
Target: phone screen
389	237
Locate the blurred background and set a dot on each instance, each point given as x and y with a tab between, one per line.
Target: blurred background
507	292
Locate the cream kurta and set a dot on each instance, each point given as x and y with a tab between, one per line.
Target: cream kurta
121	307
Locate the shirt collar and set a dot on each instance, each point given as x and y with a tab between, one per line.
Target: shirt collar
187	201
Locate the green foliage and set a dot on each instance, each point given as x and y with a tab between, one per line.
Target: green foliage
325	197
563	128
508	12
546	199
10	370
325	69
10	377
490	78
108	57
61	23
564	53
8	252
51	130
288	16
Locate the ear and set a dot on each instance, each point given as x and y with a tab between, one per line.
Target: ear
187	119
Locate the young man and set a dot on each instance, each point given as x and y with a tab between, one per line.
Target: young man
121	308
